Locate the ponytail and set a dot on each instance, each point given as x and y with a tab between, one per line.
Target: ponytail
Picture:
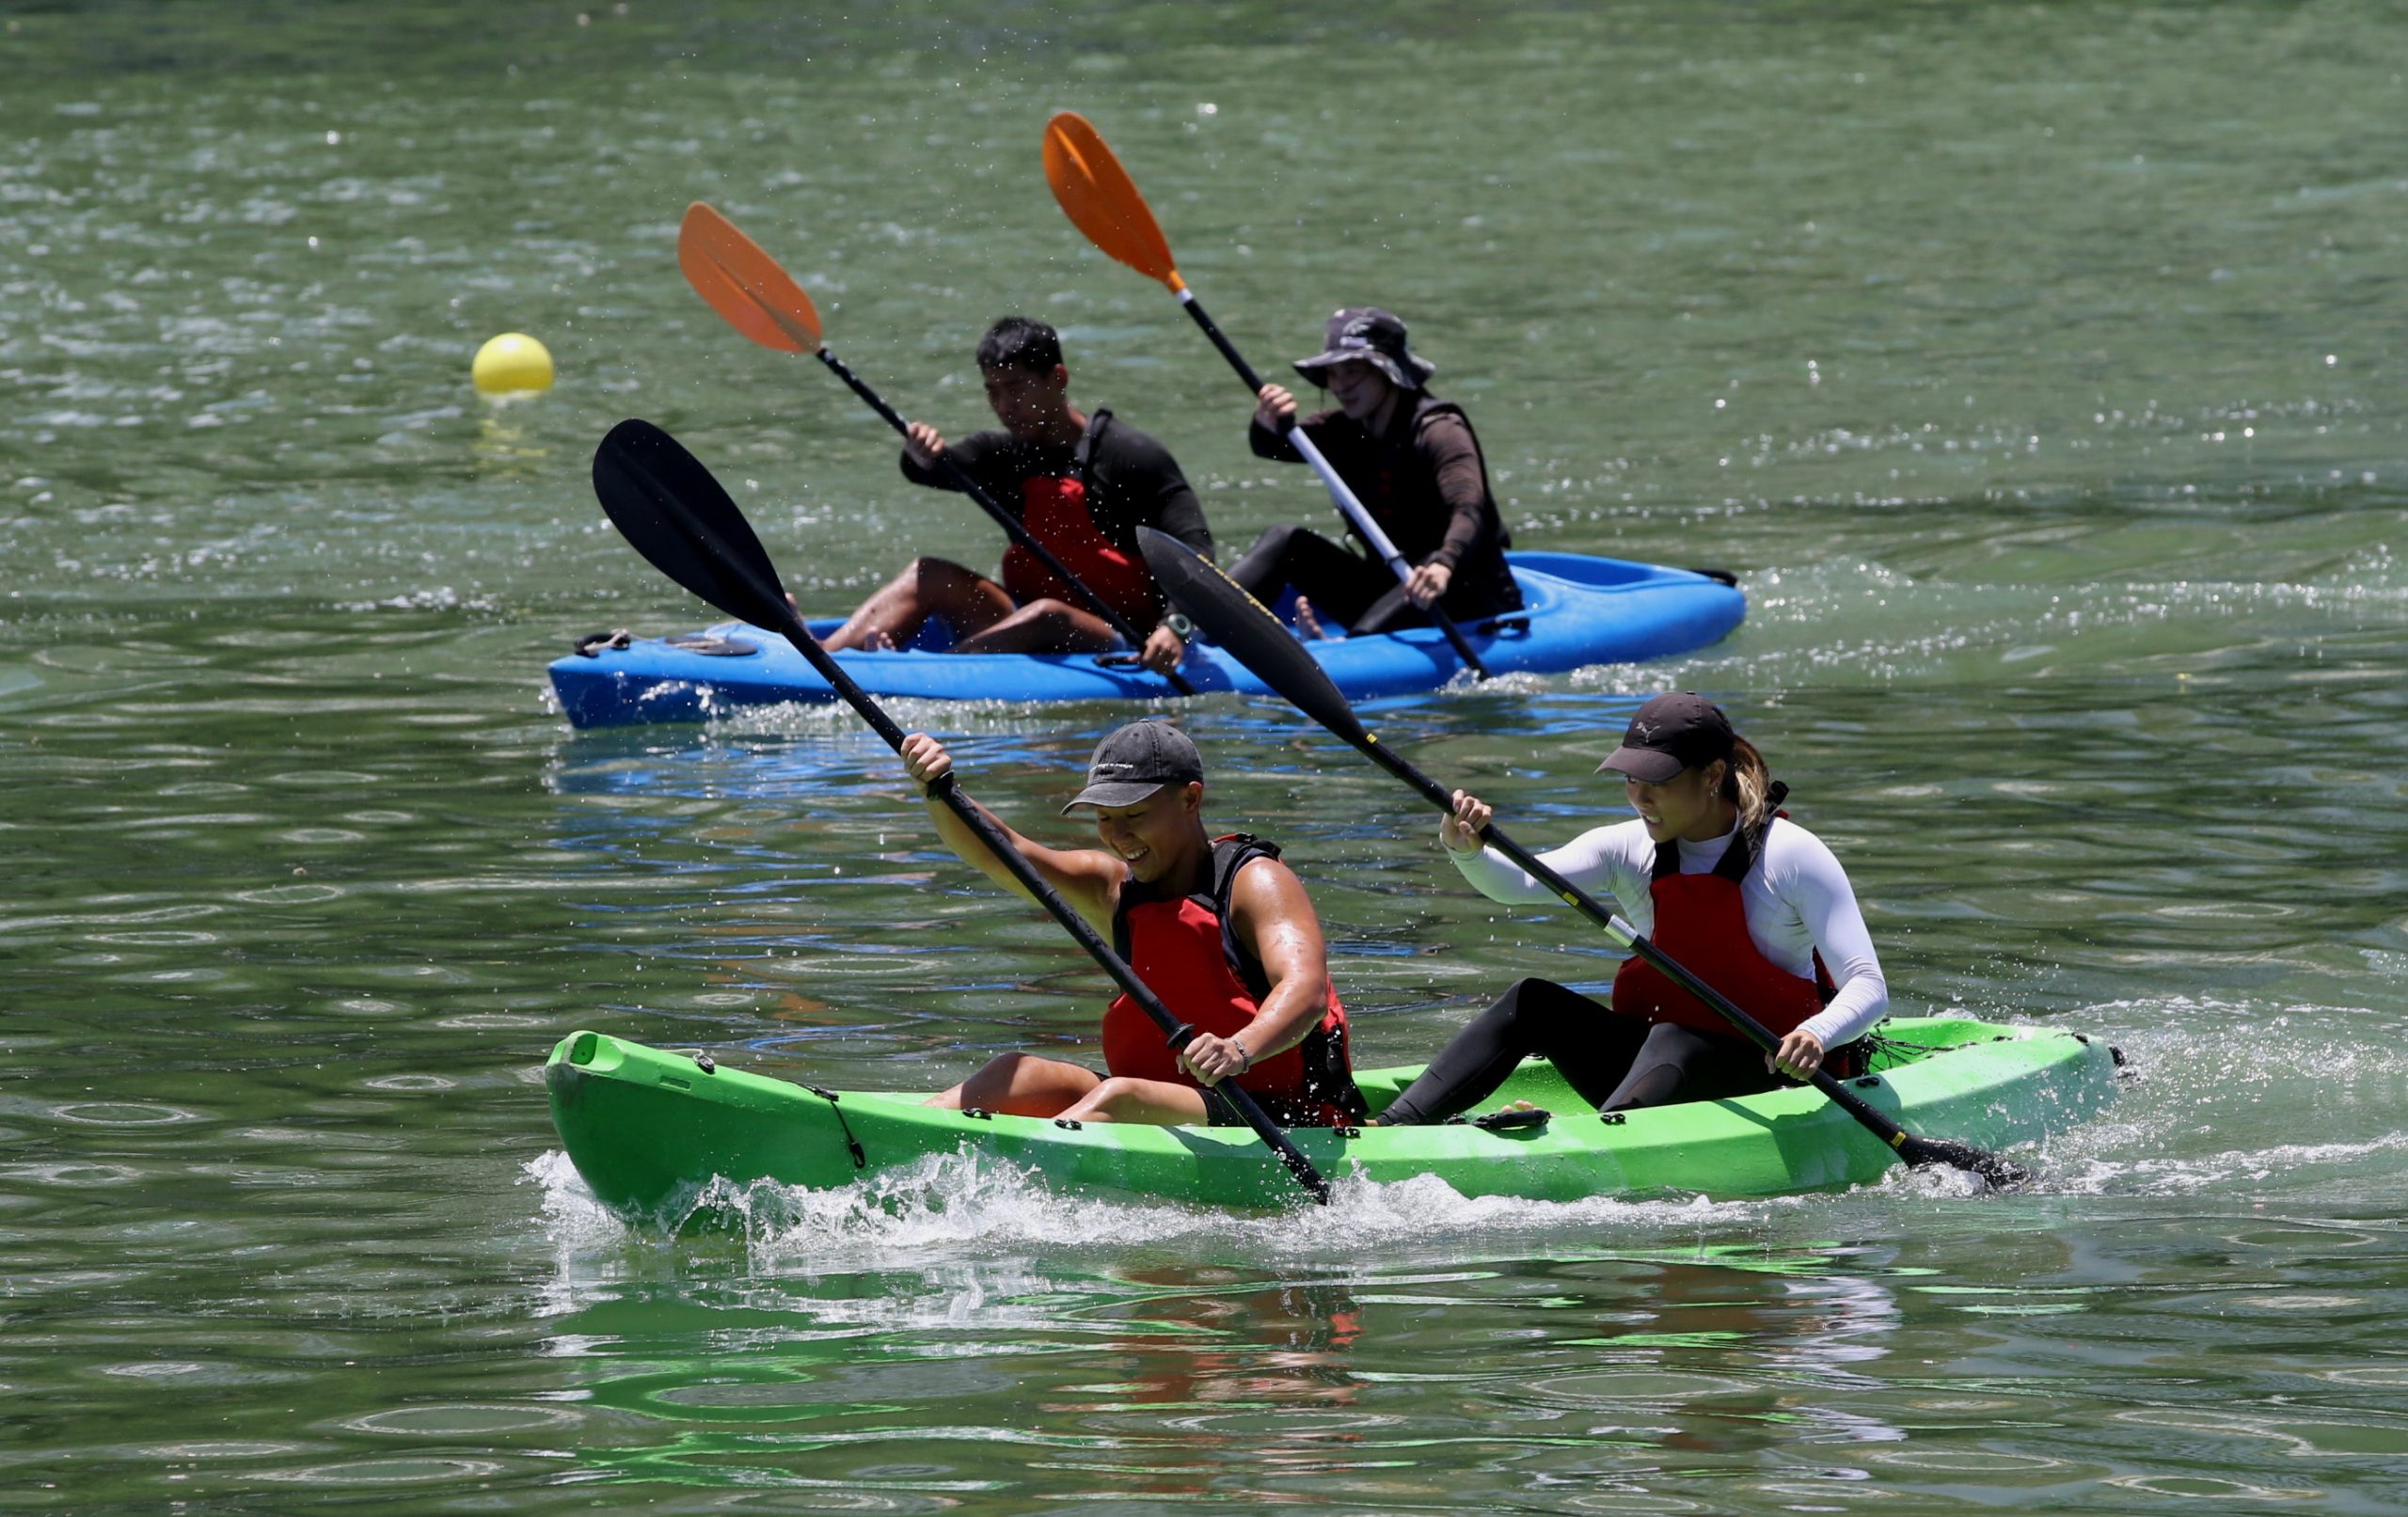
1747	784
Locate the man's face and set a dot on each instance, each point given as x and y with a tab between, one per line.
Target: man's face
1025	400
1147	836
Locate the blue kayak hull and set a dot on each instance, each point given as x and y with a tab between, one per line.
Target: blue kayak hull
1576	611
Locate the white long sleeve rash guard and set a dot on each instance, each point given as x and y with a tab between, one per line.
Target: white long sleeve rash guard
1797	901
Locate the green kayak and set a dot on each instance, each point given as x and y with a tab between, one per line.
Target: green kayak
649	1128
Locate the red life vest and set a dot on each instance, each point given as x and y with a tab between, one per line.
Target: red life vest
1702	924
1055	513
1184	950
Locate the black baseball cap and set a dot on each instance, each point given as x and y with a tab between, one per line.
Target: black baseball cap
1133	762
1366	333
1670	734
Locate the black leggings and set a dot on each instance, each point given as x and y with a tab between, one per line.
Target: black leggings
1346	585
1615	1063
1342	585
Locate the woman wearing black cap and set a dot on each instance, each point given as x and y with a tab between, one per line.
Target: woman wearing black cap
1751	902
1412	460
1217	927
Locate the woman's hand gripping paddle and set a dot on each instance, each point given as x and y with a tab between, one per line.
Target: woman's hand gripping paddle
1102	201
1255	637
666	504
761	300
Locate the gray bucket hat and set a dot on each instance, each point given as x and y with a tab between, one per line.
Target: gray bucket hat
1366	333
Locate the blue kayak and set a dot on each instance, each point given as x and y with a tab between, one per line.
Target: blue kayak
1576	611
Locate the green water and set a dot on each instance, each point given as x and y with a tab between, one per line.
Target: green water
2039	366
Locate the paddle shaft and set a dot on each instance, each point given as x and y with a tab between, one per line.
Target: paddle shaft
1011	527
1349	505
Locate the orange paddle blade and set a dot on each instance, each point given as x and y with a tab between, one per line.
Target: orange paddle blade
1102	201
744	284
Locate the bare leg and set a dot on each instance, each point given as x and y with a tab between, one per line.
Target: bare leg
1122	1099
1043	627
970	603
1021	1085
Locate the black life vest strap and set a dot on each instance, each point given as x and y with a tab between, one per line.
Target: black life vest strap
1741	855
1430	406
1083	456
1737	860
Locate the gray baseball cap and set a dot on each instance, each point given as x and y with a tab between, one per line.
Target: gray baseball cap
1133	762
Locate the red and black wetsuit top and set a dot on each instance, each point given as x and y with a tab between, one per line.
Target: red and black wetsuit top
1085	503
1702	925
1184	949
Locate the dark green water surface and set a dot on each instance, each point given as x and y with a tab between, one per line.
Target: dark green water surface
2040	368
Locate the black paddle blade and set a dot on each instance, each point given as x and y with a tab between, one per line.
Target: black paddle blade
2001	1173
1246	631
666	504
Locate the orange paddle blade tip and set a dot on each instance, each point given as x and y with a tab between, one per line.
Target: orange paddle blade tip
744	284
1102	201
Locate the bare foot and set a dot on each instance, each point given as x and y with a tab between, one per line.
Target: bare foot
1306	623
875	640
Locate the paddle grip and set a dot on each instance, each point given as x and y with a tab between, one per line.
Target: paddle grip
1012	528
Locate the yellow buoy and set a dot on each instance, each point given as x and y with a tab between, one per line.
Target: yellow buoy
512	364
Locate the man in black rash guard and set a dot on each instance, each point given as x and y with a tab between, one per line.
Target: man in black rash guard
1081	485
1413	461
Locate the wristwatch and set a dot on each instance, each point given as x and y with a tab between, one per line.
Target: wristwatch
1180	625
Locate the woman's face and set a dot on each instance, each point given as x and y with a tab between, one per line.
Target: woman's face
1686	806
1359	387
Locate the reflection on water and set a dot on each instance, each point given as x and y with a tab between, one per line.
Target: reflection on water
1168	1379
1743	1366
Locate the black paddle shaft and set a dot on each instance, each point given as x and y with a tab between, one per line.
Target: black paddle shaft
673	512
1012	526
1302	443
1254	637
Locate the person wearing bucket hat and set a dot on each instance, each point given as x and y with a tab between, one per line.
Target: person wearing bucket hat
1414	462
1218	927
1725	884
1081	483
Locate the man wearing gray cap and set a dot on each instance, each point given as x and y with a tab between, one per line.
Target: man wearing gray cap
1218	928
1412	460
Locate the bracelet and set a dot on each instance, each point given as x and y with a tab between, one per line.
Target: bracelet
1243	1055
